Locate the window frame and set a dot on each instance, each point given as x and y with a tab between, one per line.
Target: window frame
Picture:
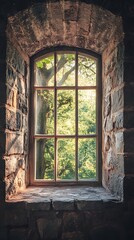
97	57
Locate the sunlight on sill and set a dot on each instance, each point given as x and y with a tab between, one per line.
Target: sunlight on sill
63	198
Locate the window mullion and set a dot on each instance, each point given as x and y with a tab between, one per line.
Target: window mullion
55	117
76	109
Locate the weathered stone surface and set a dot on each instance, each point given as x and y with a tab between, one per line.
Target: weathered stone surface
89	205
63	204
117	100
13	164
22	104
28	31
13	120
47	228
14	143
16	218
107	105
119	142
11	76
35	204
119	120
14	58
12	97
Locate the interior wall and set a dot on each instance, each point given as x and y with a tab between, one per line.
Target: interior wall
16	152
56	24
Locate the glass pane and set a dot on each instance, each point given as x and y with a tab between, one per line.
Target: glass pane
65	70
86	71
66	159
86	112
66	112
87	158
44	159
44	113
45	72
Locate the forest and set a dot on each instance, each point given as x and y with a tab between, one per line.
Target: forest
65	117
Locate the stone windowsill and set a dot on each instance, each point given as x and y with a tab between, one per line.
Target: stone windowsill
63	198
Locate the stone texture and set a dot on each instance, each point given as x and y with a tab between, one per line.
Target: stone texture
47	228
14	143
117	100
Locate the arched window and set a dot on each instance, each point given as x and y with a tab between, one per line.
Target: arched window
66	115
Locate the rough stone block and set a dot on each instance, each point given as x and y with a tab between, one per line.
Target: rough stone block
39	204
49	227
11	76
14	143
64	204
93	204
117	102
22	104
72	222
70	11
15	59
13	164
109	124
13	120
107	105
119	142
16	217
12	97
119	120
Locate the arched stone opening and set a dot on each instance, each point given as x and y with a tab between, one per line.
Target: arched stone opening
74	24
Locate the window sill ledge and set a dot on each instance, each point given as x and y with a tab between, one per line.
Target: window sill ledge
63	198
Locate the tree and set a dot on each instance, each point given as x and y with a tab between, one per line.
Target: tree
65	117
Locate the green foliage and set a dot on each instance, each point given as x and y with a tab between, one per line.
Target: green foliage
66	122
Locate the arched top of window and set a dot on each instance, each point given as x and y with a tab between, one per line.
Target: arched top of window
65	106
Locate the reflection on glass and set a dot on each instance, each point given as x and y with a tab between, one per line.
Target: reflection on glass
87	158
66	112
86	71
86	112
45	72
65	70
66	159
44	123
45	159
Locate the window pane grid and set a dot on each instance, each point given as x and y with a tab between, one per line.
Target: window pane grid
62	137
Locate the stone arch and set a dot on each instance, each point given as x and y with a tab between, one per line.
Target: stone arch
64	23
75	24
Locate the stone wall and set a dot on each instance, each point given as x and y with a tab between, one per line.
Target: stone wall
95	222
16	149
79	25
113	118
